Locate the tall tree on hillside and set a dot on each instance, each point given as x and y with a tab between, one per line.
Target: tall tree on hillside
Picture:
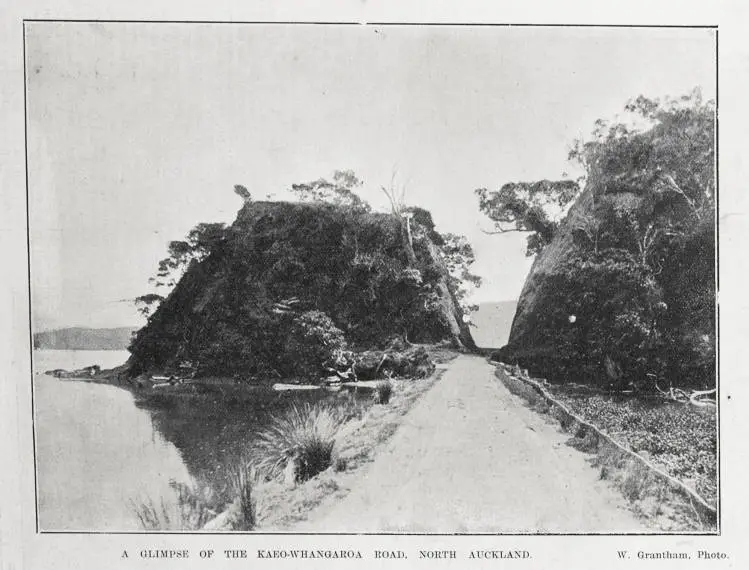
532	207
396	195
458	255
243	193
199	242
653	177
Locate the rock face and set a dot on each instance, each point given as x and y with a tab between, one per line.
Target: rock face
234	311
685	280
524	331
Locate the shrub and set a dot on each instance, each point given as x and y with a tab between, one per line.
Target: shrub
383	391
313	340
304	436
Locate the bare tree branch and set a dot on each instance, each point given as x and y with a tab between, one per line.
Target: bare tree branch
671	183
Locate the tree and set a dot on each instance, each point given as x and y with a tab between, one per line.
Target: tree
652	177
458	255
397	198
665	149
199	243
340	192
242	192
528	207
147	304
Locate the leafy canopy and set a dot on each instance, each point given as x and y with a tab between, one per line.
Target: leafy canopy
458	256
199	243
665	147
528	207
341	191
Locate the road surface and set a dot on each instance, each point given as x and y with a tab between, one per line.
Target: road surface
471	458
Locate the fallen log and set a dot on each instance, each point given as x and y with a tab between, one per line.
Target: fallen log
280	387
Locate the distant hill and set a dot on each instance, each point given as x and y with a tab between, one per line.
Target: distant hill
493	322
81	338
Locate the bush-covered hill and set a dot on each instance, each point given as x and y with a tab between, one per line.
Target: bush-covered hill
623	294
288	283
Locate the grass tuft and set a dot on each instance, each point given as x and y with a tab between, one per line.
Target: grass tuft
190	511
243	479
383	391
301	442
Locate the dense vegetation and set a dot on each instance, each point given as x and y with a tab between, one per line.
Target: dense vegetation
291	285
622	293
681	440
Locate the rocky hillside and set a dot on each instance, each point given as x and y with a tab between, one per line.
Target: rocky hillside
288	282
573	315
624	293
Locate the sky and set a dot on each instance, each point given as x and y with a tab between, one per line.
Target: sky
137	132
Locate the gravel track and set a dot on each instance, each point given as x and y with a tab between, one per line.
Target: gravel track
471	458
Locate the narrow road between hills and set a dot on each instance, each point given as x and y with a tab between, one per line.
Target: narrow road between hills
471	458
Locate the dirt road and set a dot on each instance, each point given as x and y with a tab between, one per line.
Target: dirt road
470	457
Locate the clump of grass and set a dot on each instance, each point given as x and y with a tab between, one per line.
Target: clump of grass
304	436
243	479
151	516
635	481
189	511
383	391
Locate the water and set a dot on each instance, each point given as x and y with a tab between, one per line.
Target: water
99	449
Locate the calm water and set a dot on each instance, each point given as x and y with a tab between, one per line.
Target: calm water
98	449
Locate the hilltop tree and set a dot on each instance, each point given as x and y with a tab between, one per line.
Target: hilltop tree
397	198
653	177
243	193
341	191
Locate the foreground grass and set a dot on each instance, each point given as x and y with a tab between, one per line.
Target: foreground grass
302	441
187	510
680	438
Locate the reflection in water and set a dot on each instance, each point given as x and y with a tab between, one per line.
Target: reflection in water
96	452
214	435
99	450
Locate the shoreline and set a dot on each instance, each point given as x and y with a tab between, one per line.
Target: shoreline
281	506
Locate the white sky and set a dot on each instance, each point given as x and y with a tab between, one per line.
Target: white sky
137	132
